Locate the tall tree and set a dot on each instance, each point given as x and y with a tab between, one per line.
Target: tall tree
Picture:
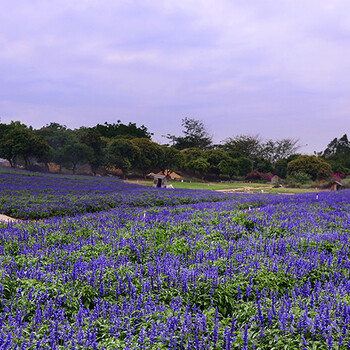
273	151
229	167
246	145
337	154
57	136
121	130
74	152
22	142
313	166
214	157
195	135
91	138
123	154
171	159
150	155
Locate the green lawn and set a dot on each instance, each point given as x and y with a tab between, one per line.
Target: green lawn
217	185
207	185
293	190
238	187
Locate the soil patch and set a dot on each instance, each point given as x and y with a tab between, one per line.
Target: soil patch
5	218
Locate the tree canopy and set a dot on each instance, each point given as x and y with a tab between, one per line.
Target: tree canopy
195	135
119	129
313	166
130	148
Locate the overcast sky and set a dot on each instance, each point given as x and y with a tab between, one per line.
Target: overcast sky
274	68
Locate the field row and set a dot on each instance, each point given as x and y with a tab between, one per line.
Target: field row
36	197
205	275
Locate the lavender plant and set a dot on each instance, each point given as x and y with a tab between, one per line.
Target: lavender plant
202	275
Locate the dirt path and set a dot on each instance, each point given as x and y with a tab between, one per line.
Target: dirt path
244	189
5	218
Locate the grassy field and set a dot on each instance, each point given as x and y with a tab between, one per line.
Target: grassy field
214	186
236	187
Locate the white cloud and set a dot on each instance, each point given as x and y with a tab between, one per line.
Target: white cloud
247	63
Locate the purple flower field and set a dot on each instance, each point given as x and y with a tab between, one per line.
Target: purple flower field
206	275
35	197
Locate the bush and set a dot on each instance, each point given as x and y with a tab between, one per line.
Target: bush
257	175
346	182
301	178
224	177
313	166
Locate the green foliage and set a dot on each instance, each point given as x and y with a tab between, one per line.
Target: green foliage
74	152
300	178
92	139
214	157
280	167
170	159
195	135
17	142
122	153
122	130
313	166
150	154
199	165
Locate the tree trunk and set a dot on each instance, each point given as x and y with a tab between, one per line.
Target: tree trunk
94	170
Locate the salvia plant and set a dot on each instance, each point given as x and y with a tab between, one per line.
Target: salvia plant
195	270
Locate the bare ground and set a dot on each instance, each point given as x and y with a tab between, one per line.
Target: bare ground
5	218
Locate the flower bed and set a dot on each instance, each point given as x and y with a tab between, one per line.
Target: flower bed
197	276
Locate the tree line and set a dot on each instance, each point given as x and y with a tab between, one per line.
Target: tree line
130	148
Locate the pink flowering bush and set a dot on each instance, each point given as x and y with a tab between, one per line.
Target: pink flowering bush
339	175
257	175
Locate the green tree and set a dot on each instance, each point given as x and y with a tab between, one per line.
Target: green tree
280	167
191	154
195	135
313	166
170	160
75	153
262	165
150	155
214	157
248	146
121	130
123	154
199	165
57	136
337	153
229	167
21	142
245	166
91	138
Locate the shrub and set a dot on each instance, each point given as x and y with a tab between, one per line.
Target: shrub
257	175
313	166
346	182
301	178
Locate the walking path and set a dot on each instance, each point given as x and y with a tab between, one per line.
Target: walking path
5	218
244	189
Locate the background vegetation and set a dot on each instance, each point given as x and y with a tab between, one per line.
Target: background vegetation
129	148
